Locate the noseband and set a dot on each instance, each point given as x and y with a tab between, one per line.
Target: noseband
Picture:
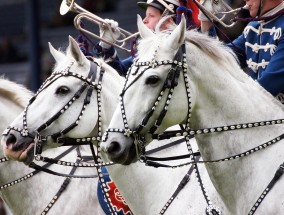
178	65
170	84
89	85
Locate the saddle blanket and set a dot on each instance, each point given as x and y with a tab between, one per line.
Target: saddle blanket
117	202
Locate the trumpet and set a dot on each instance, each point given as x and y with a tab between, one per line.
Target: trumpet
70	5
226	7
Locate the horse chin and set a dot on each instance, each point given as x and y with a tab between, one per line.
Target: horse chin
24	155
29	155
131	157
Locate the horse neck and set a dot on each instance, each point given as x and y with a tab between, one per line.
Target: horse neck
36	192
111	87
9	111
225	95
142	185
26	191
15	93
222	96
11	103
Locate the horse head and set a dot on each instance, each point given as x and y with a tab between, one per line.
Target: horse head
67	105
236	123
154	73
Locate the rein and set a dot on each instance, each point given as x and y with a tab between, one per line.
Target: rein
30	174
187	132
43	168
89	85
178	65
89	82
192	133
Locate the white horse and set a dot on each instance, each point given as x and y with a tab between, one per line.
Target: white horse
33	194
146	190
212	91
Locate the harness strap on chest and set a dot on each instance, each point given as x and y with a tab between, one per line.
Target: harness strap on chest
181	185
279	172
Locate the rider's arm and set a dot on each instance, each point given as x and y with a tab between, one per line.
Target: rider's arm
110	56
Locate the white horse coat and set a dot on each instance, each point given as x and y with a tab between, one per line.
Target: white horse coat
146	190
33	195
218	93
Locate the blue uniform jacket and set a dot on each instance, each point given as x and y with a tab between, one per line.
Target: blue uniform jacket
111	57
261	49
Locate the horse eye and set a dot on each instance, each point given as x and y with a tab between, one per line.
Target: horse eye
63	90
152	79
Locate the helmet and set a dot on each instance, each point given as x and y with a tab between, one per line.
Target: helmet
162	5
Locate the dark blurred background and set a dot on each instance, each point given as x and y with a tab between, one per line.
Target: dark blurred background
26	27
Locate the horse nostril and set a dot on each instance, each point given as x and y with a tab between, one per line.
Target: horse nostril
11	139
113	148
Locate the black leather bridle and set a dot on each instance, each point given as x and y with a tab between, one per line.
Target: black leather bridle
179	65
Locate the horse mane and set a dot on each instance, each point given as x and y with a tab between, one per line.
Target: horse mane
14	92
211	46
226	56
102	63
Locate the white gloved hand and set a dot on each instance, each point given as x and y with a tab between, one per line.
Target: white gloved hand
109	32
212	7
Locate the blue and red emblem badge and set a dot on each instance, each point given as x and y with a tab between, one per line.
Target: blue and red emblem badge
117	201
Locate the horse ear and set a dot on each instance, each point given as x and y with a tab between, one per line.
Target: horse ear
57	55
177	37
143	29
74	51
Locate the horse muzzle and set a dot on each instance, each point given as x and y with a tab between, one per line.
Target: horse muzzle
18	147
120	151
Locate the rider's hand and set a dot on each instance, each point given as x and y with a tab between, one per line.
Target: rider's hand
211	6
109	32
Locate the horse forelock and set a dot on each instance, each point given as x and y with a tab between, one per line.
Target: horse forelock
213	47
15	92
149	45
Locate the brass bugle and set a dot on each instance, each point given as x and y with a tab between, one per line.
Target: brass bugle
226	7
70	5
